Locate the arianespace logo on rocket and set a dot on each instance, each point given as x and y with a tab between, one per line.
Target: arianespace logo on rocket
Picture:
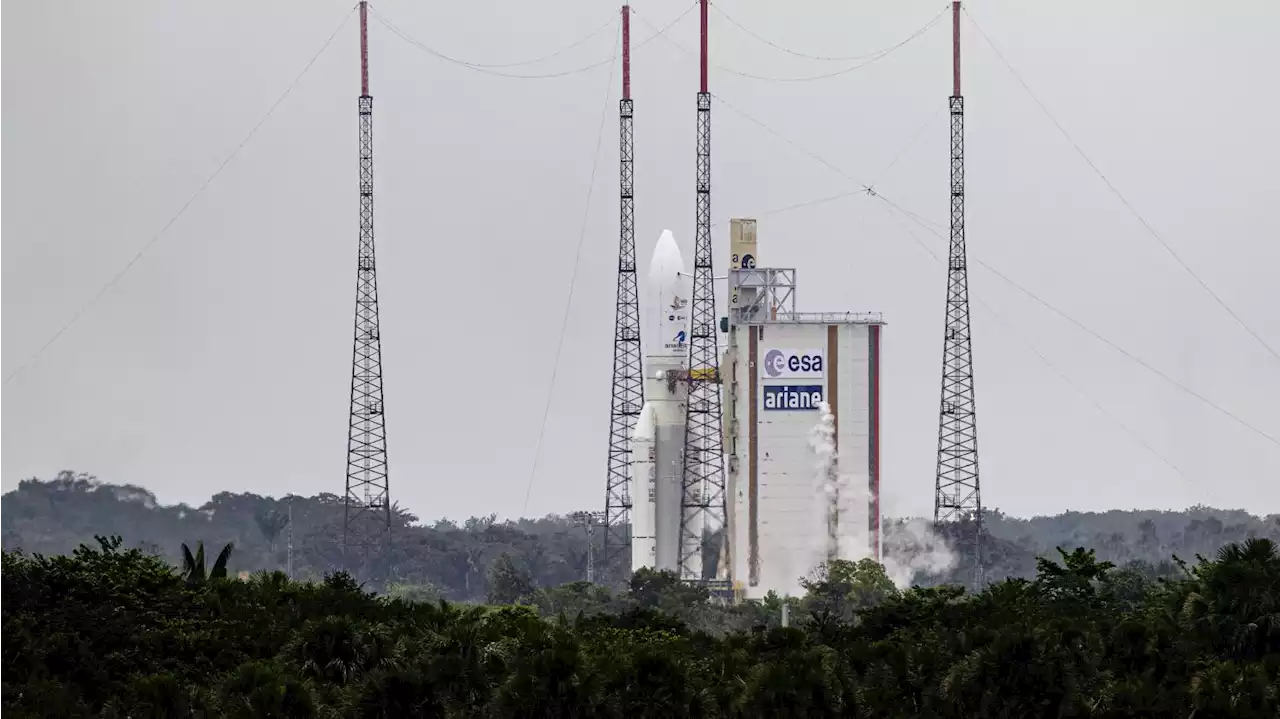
676	341
788	364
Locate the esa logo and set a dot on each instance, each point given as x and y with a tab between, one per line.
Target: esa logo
678	303
792	363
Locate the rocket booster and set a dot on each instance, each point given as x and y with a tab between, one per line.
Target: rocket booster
657	446
643	491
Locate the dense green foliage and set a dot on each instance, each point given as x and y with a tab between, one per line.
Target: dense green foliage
1122	629
116	632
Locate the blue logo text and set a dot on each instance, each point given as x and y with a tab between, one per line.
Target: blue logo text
792	397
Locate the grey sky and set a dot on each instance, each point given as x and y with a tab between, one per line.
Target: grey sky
222	360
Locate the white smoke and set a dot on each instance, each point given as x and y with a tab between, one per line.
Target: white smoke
130	493
829	482
838	511
844	500
838	526
787	566
911	549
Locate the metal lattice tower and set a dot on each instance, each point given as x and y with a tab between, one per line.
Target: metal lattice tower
957	496
628	379
588	521
703	500
366	530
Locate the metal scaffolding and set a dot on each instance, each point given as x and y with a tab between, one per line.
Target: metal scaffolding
366	532
957	497
703	499
628	379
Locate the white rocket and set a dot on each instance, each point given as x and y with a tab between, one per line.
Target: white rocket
657	445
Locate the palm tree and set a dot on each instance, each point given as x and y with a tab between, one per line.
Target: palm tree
193	566
271	523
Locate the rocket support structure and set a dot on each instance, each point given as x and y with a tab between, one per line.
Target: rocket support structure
703	500
628	381
367	504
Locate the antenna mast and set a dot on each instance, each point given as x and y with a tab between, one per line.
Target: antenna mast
957	496
703	497
366	529
628	379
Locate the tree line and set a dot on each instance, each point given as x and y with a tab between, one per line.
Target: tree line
192	615
112	631
453	559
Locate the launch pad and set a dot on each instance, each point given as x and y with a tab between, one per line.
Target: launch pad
746	468
800	395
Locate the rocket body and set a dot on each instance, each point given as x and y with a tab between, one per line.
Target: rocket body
657	447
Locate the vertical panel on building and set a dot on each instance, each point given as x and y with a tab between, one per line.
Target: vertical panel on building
742	255
873	382
753	462
734	376
854	429
833	403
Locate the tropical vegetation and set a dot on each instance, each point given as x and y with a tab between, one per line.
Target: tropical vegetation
117	632
302	536
1120	614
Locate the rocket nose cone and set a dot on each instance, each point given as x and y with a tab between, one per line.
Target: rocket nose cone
667	241
667	261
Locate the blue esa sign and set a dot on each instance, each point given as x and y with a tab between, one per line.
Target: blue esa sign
792	397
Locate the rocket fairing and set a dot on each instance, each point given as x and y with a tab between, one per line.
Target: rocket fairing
657	446
668	298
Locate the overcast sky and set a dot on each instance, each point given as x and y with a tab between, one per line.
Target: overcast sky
221	360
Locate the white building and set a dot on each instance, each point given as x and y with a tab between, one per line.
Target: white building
801	487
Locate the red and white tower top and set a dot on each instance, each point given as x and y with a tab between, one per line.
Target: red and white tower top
703	45
626	51
364	48
955	48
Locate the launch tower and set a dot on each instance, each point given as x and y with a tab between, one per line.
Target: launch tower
956	496
367	505
628	383
703	500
